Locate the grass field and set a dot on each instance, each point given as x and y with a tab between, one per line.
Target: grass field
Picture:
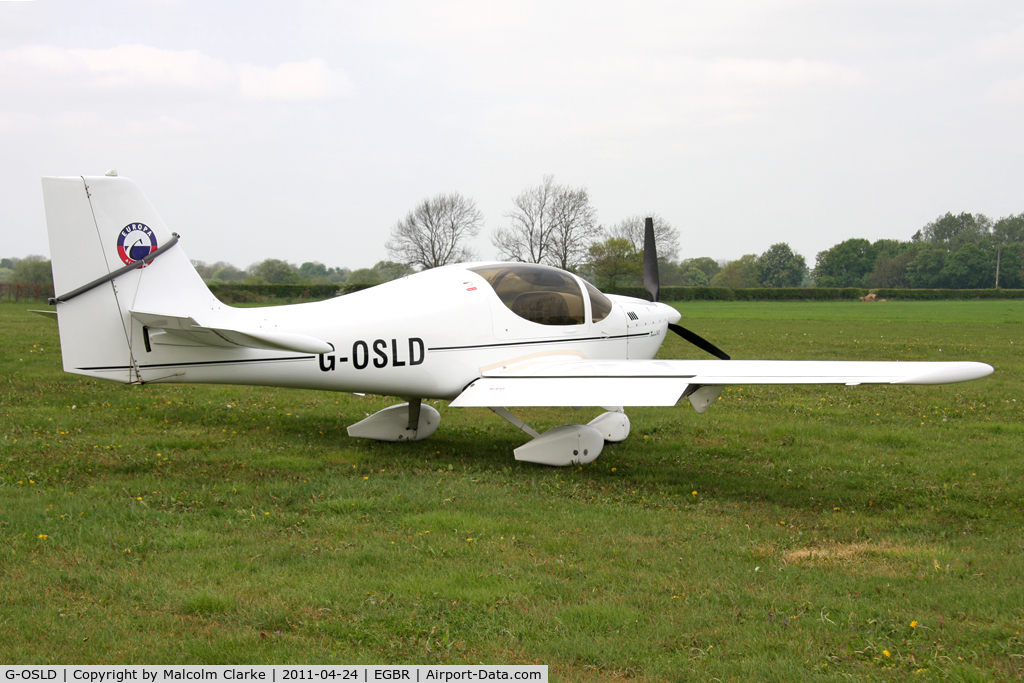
790	533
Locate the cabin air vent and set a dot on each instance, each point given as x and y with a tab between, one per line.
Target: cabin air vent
632	315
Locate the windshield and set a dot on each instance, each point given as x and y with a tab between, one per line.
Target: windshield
600	305
540	294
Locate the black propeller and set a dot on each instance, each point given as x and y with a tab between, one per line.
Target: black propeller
653	286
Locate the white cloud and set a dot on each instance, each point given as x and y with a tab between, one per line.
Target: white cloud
1009	91
294	81
792	73
159	125
128	68
1003	47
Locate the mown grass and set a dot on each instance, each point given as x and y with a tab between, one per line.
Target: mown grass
789	533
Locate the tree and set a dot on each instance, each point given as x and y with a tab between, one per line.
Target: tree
552	224
706	264
32	270
436	232
665	236
615	260
952	232
312	269
1010	228
528	236
890	247
382	271
891	271
389	270
692	276
1011	274
337	275
969	267
691	272
738	274
847	264
1006	231
671	274
227	272
364	276
205	271
574	228
925	271
781	267
274	271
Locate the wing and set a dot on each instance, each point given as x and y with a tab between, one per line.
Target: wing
664	382
183	331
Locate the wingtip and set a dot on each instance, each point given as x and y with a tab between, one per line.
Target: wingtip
950	373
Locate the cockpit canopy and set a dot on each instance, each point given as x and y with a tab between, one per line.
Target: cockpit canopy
543	294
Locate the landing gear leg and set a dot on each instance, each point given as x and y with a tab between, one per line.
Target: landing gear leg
414	413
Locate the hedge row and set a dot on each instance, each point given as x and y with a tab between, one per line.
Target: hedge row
813	293
751	294
231	292
237	292
936	294
16	291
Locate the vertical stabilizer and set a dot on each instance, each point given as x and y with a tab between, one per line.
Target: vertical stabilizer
96	226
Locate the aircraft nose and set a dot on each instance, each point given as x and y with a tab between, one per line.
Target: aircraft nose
672	314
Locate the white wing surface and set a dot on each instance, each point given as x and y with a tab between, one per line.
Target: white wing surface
664	382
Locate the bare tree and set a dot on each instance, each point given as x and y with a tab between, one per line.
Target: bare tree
666	237
552	224
528	237
436	232
574	228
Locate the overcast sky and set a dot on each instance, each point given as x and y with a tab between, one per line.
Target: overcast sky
305	130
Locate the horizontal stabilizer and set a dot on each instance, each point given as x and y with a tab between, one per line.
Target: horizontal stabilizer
185	331
51	315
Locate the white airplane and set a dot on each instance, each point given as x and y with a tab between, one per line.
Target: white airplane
132	309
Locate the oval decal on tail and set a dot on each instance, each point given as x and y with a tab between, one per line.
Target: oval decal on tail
135	241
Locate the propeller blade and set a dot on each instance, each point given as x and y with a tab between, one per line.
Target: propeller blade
651	279
698	341
652	283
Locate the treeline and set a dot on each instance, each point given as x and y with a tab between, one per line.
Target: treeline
964	251
36	270
278	272
557	225
31	270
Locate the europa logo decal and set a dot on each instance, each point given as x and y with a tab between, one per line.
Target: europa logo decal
135	241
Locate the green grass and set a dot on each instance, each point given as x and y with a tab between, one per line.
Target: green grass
789	533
